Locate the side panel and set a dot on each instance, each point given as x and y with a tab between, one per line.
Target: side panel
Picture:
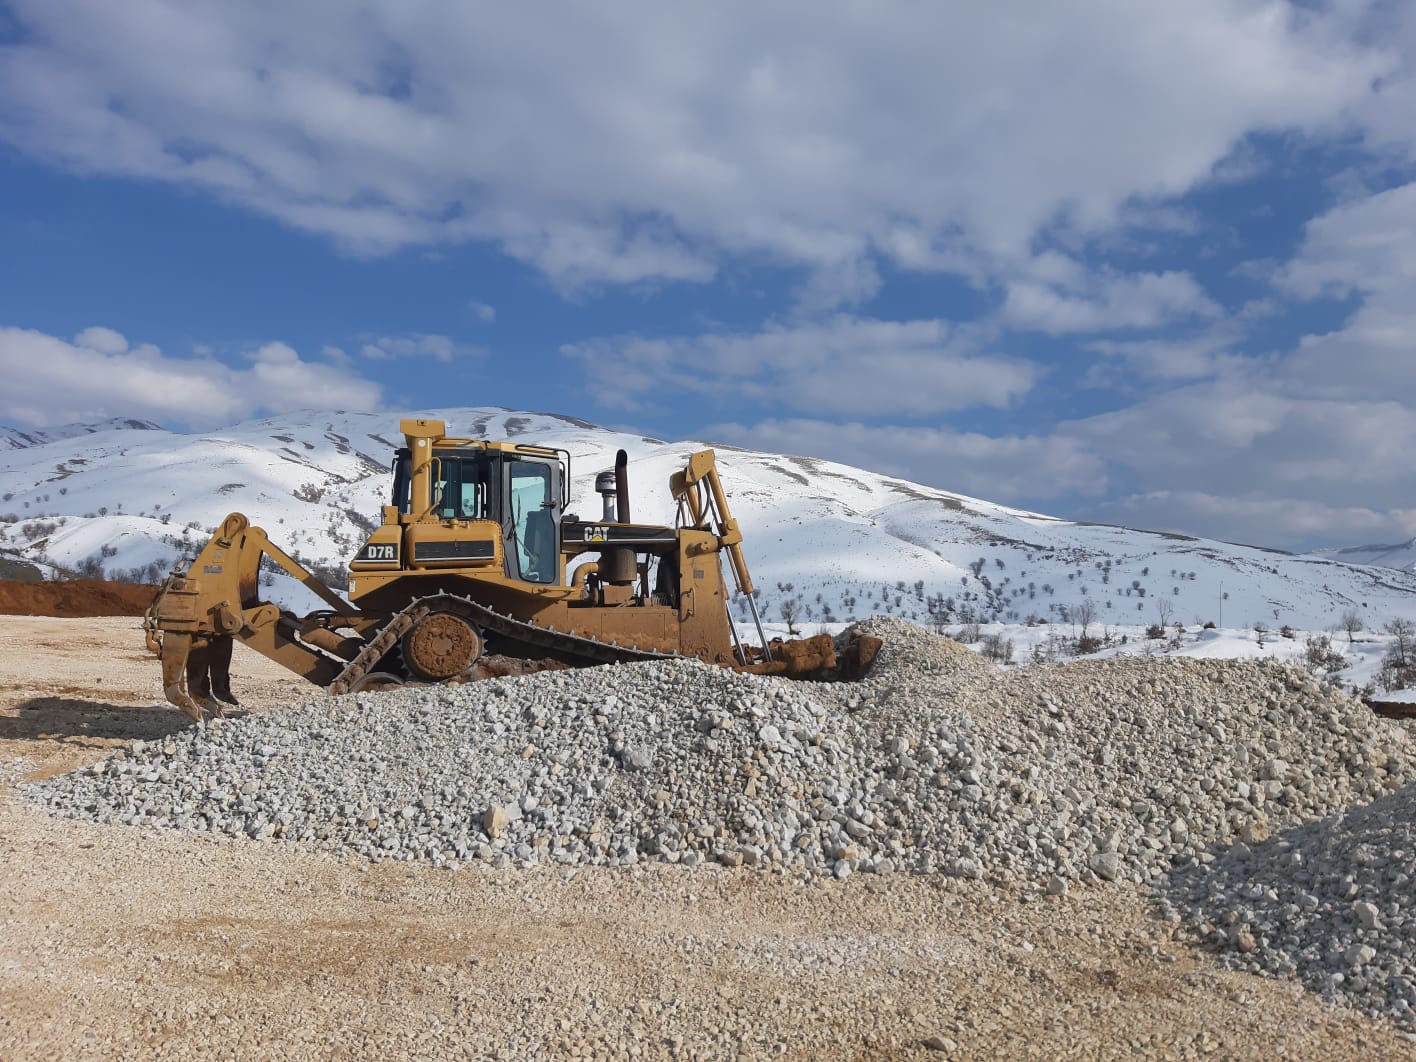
703	601
471	544
647	627
382	552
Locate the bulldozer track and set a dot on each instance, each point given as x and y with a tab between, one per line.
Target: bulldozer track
586	651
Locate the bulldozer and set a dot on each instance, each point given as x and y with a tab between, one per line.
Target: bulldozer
476	570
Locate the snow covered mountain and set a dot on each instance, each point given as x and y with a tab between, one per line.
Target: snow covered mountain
828	541
15	439
1401	556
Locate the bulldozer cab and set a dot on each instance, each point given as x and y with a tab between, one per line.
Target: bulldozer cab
520	490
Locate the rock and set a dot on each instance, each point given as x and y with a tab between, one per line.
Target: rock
965	867
1359	955
1105	865
1056	886
495	820
1253	832
636	759
940	1043
1367	915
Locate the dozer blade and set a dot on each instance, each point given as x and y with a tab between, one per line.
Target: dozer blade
815	658
855	661
798	658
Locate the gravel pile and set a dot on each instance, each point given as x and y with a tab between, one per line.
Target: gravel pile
1332	902
911	653
1121	769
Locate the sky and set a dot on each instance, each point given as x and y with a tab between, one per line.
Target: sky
1136	262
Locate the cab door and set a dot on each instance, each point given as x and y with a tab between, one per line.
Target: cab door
531	519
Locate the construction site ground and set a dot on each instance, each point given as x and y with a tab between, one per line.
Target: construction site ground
145	943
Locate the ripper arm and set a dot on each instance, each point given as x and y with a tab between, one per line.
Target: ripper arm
195	617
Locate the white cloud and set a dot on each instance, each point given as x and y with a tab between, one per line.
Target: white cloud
1311	445
482	311
1105	303
1000	469
1364	249
1360	246
103	340
1388	112
417	345
859	366
49	381
1260	521
845	283
1175	359
1244	457
633	141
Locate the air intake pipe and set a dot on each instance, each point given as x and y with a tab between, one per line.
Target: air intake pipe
605	488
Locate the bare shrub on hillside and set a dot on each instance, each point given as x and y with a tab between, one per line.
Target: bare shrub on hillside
1351	623
998	649
1320	658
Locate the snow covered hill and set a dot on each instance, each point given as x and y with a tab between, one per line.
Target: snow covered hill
1401	556
15	439
826	541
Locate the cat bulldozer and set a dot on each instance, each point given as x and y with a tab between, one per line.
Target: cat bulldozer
477	571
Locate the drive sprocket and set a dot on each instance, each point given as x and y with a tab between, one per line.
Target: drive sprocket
440	646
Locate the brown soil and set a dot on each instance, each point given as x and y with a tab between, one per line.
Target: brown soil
1392	709
80	597
124	942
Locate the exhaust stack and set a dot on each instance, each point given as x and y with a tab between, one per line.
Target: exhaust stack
618	564
622	486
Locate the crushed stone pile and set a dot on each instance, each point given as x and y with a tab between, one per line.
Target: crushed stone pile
1117	770
1332	902
912	653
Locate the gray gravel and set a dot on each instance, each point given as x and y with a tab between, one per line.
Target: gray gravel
1128	770
1330	902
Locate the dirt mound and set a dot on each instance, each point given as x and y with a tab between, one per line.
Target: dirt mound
81	597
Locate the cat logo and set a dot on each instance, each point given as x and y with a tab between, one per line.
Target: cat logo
597	533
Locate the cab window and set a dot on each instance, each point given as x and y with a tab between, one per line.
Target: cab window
462	487
534	500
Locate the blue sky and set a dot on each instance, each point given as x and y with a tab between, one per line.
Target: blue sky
1139	262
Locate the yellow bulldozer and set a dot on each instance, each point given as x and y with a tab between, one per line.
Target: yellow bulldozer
475	572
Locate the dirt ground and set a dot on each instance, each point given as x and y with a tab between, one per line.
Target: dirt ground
125	942
79	597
